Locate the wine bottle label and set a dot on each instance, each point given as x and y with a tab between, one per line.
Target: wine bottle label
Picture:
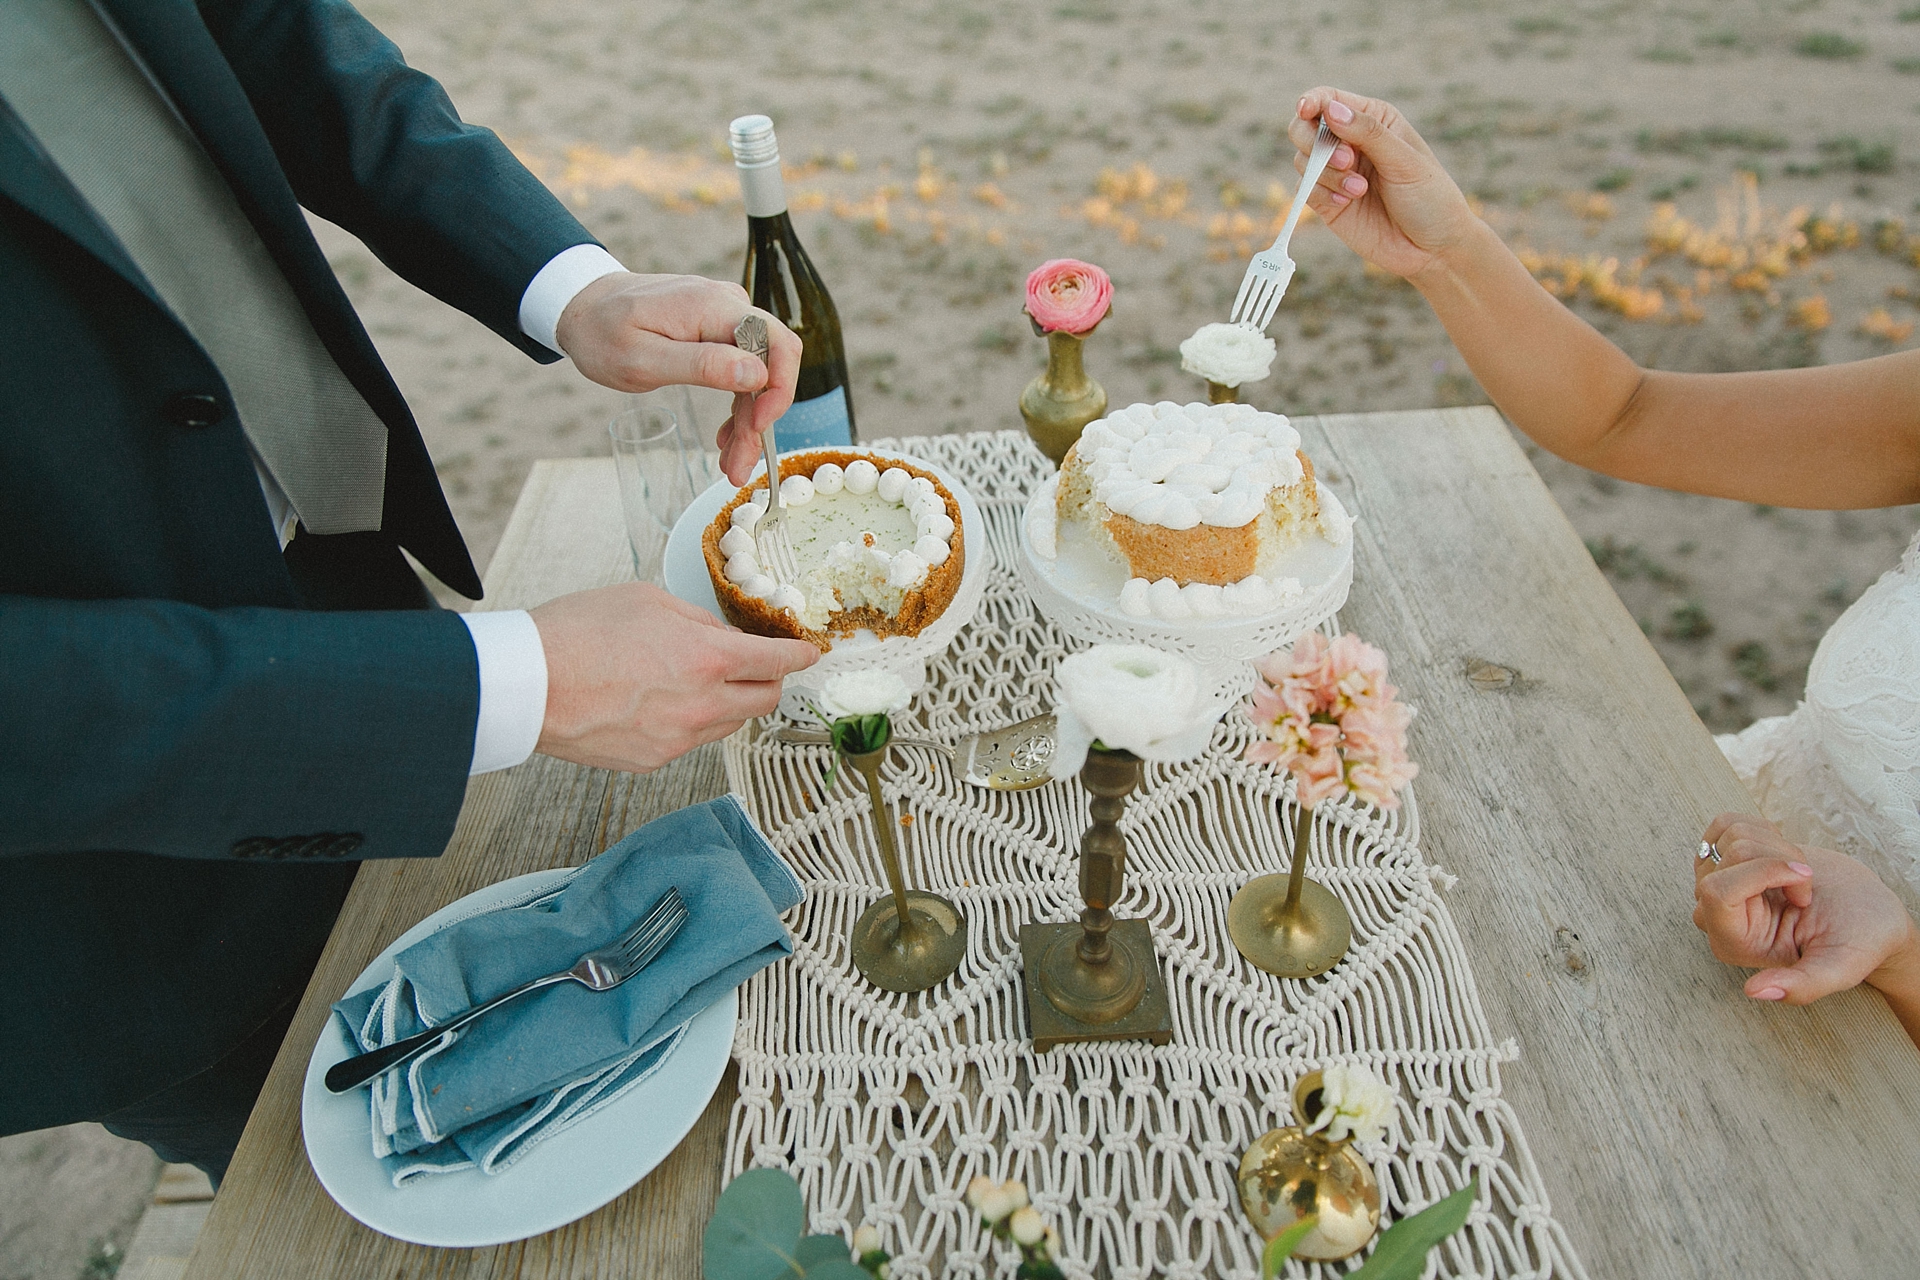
818	423
763	190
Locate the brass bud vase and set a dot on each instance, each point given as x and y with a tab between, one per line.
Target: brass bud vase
1063	399
909	940
1290	1173
1221	393
1288	925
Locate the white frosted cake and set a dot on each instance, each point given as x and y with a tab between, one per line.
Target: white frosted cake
1200	502
877	543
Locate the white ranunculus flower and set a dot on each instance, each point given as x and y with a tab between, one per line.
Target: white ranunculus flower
1131	698
1228	354
1354	1103
864	693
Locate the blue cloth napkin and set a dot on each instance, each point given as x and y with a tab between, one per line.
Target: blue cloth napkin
547	1060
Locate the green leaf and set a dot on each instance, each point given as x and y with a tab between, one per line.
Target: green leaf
837	1269
815	1250
1402	1251
1281	1247
755	1228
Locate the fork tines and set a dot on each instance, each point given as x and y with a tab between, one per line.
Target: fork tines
646	939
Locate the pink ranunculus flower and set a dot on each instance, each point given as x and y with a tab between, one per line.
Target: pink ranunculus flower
1328	716
1066	295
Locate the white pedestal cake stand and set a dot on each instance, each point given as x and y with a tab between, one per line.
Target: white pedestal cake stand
1079	592
907	656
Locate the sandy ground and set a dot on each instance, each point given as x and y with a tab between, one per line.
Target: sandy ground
938	149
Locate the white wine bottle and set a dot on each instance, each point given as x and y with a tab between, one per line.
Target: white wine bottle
780	278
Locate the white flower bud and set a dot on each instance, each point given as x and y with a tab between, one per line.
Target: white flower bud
1027	1226
865	1239
1018	1191
996	1204
978	1190
1053	1243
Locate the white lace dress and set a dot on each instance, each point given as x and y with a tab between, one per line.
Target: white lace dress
1843	770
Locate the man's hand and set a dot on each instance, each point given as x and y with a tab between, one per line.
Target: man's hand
636	677
636	333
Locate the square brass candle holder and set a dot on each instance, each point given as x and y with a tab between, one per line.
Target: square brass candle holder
1097	979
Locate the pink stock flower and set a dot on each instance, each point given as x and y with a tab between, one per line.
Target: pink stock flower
1066	295
1328	716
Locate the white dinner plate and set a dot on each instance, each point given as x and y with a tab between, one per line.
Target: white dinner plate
563	1178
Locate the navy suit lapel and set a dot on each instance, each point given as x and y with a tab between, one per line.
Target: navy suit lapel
29	177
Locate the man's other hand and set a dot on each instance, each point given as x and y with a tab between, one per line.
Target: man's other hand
636	677
635	333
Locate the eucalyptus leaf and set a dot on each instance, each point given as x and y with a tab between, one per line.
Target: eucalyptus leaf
1402	1251
1281	1247
755	1228
817	1250
837	1269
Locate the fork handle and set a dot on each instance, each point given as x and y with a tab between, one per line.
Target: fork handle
1323	149
771	452
352	1072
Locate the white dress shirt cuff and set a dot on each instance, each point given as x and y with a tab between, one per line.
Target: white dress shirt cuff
549	292
513	687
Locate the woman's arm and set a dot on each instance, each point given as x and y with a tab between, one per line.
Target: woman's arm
1840	436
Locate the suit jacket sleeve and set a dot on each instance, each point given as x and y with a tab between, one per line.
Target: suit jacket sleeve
191	732
375	146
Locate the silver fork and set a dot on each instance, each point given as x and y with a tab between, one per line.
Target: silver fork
770	537
600	970
1271	271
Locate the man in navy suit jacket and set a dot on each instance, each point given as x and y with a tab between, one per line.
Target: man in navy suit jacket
202	730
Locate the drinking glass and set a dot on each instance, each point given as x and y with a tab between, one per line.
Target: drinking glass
656	481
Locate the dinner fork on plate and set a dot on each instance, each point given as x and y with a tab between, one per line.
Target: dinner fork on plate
770	536
598	970
1272	270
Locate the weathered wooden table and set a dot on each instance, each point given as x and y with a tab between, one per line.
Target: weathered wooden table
1681	1129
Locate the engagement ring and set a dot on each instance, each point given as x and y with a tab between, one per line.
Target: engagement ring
1708	851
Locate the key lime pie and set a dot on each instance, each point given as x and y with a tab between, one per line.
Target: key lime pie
877	542
1200	502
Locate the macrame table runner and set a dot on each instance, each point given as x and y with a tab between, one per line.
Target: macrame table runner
885	1106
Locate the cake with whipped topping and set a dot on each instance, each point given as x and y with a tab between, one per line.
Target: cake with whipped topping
877	543
1200	502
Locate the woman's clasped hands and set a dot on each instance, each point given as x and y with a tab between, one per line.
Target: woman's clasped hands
1813	921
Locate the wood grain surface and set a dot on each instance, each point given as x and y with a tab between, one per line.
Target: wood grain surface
1681	1129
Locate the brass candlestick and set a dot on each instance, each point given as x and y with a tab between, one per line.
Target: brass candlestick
1290	1173
1289	925
1098	979
911	939
1059	402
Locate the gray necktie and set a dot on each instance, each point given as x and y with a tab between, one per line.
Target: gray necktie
120	143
